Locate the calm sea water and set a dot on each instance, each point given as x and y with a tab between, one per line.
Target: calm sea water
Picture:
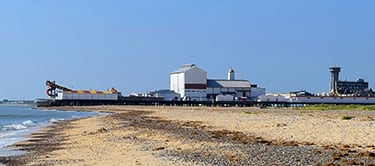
17	122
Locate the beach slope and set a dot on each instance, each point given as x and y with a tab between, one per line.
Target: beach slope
136	135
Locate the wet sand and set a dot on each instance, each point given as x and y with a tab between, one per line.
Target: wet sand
204	136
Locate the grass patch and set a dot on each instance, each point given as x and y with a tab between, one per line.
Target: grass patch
251	113
323	107
347	117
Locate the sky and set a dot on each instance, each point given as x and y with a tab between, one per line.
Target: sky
281	45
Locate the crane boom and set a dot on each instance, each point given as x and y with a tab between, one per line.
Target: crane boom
51	91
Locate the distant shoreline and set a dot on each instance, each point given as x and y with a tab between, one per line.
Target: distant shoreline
16	105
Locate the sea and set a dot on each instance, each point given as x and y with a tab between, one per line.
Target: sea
17	122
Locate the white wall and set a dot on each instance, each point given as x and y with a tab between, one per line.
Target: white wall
173	82
177	83
181	83
272	98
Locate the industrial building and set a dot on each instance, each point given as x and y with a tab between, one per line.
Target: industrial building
341	92
192	84
166	94
356	88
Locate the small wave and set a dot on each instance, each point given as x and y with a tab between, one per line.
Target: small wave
14	127
54	120
19	126
28	123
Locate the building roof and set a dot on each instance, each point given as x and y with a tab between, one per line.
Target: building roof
228	83
184	68
165	91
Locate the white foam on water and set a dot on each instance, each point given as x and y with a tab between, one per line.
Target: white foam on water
28	123
55	120
9	138
18	126
14	127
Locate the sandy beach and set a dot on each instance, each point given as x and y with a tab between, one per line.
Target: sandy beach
138	135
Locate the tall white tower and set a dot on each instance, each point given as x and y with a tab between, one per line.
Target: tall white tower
231	74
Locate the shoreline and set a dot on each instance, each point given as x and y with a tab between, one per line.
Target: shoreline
26	146
38	143
184	136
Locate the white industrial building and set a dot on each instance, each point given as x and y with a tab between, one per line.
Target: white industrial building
192	84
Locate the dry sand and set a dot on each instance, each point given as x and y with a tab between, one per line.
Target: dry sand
205	136
318	127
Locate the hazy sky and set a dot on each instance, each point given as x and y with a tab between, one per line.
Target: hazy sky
282	45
